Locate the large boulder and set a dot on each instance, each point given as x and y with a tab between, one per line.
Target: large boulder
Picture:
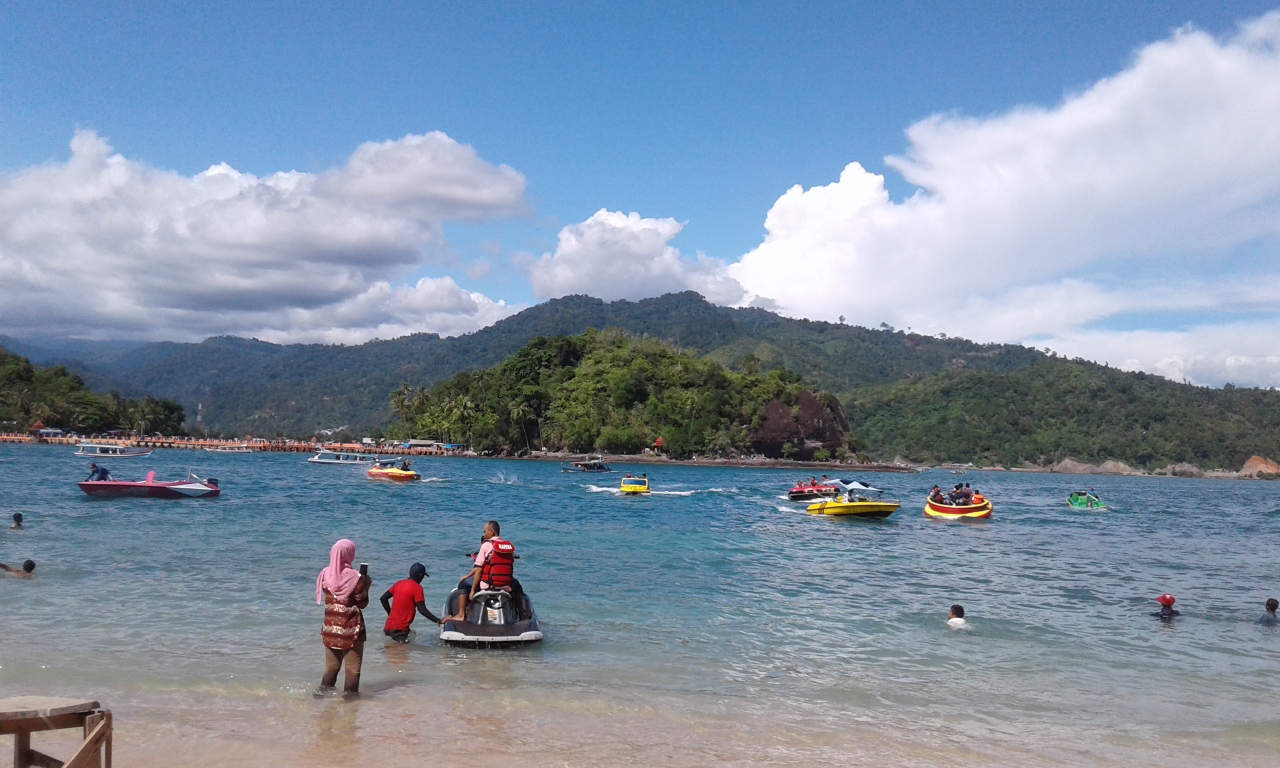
1113	467
809	425
1073	467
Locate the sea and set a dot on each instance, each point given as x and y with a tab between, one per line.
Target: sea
713	622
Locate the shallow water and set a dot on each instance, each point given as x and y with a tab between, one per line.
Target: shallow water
712	622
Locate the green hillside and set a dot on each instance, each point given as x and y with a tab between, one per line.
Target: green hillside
253	387
607	391
1058	409
59	399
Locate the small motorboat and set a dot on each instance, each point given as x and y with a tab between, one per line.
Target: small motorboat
809	492
856	501
492	621
240	448
589	464
978	511
191	488
387	470
342	457
111	451
1083	500
634	486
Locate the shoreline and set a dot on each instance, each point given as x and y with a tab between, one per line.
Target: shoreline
1068	466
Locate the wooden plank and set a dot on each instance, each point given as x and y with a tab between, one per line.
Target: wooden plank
41	760
88	755
21	748
28	707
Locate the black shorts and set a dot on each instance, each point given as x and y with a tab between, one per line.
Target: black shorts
399	635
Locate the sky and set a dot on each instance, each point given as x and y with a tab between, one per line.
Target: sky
1099	179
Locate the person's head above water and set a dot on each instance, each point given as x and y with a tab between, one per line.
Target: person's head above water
1167	600
28	565
17	518
957	612
418	572
1272	605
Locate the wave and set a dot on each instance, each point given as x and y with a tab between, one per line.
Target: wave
502	479
434	480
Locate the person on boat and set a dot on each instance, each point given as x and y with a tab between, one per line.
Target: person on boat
935	495
955	495
404	466
1166	611
402	600
628	474
491	569
343	591
825	480
27	571
17	522
955	617
98	474
1269	618
966	495
977	497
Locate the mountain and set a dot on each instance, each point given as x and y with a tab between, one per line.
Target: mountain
254	387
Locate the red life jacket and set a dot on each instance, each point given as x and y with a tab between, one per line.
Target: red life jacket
498	569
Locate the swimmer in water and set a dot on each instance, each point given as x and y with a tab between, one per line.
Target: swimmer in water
1166	611
1269	618
17	522
26	573
955	619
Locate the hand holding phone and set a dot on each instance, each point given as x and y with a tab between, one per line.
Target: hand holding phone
364	569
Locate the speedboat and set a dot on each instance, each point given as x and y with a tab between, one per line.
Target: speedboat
633	486
240	448
958	511
492	621
342	457
590	464
387	470
856	501
191	488
811	491
111	451
1082	500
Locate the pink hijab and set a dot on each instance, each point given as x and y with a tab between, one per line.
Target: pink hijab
340	578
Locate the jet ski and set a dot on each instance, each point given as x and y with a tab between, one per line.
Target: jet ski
492	621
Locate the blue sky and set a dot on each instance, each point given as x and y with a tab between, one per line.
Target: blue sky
705	115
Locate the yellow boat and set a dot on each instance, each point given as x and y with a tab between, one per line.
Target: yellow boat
634	485
380	472
857	506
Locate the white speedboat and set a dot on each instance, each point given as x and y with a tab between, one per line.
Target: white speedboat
342	457
242	448
110	451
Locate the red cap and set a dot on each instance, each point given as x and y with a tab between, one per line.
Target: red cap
1165	599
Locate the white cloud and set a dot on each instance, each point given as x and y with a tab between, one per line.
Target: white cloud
1154	191
613	256
101	246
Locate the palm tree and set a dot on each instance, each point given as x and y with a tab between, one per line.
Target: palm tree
520	413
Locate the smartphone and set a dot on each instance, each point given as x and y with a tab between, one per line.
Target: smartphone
364	569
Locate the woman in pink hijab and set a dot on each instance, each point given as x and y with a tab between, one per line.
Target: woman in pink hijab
343	591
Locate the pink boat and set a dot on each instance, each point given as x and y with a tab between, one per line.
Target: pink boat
191	488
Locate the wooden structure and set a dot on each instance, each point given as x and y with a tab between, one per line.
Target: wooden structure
25	715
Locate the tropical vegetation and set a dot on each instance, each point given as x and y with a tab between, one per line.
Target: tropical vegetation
609	391
58	399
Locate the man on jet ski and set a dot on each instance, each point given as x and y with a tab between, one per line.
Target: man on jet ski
494	568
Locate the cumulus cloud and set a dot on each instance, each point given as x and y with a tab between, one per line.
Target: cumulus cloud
101	246
613	256
1154	191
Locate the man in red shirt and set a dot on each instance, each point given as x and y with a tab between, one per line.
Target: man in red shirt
400	602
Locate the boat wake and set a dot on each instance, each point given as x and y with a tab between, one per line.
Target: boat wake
502	479
601	489
433	480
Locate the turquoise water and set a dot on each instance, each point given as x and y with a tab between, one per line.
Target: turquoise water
713	621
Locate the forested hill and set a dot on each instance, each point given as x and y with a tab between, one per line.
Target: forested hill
1059	409
58	399
249	386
